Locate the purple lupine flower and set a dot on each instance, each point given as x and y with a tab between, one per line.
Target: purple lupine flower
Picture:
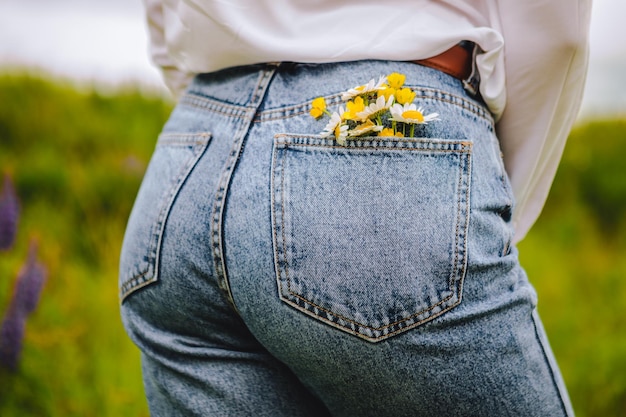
9	214
11	337
29	283
27	291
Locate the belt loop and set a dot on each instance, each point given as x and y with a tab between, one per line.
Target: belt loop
471	84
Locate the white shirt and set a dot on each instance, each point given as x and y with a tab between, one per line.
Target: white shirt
532	69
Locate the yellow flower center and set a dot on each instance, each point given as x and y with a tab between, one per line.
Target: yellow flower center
338	130
413	115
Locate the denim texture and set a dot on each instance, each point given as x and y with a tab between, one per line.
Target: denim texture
267	271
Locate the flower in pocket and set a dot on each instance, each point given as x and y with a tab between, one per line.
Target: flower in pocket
353	107
372	86
364	128
384	107
387	92
318	107
336	127
405	96
376	109
389	132
396	80
410	114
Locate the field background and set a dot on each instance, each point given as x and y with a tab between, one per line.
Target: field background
77	156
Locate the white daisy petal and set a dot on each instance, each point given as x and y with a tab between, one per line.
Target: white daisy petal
364	128
430	117
335	120
341	137
379	106
396	111
370	87
336	127
411	114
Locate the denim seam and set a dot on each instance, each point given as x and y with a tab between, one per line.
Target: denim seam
217	215
370	147
182	139
295	110
421	93
156	234
467	187
215	106
304	300
549	363
456	270
231	110
134	283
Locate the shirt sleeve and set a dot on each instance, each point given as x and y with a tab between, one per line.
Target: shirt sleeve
175	78
546	57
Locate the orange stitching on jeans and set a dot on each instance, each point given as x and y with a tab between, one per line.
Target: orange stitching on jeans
213	105
282	224
421	93
177	139
464	144
216	106
345	319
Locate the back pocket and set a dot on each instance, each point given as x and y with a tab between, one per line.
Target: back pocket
370	237
172	162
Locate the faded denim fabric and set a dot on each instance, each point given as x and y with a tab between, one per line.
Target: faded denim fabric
267	271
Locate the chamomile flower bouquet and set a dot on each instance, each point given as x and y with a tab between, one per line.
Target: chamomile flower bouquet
378	108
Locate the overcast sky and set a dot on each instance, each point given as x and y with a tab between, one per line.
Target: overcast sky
107	41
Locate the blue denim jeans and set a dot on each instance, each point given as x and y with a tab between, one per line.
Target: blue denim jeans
267	271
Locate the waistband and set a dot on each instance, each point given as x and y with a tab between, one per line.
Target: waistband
299	83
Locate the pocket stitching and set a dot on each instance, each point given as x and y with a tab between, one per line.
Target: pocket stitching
457	272
138	280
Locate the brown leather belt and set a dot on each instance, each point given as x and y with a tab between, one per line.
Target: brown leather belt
456	61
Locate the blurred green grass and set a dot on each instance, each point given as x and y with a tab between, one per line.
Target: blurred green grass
77	157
